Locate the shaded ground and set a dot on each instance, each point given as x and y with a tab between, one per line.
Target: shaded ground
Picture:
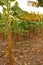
24	53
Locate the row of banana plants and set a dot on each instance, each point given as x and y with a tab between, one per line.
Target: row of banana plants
20	26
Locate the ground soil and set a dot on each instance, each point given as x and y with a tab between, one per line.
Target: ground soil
28	52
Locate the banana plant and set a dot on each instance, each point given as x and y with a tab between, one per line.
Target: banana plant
6	5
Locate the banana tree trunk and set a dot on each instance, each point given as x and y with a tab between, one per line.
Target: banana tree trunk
9	33
9	45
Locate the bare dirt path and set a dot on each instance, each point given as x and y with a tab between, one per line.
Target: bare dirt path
24	53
